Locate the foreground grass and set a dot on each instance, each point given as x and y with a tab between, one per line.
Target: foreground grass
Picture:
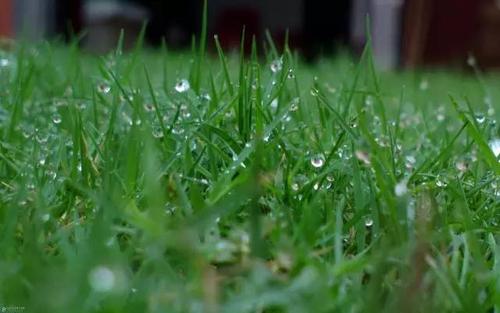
157	182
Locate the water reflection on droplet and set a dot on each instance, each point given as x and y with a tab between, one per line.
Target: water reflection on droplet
4	62
276	65
274	103
368	222
491	111
400	189
42	137
440	182
471	60
294	105
495	146
157	132
149	107
424	85
205	97
182	86
101	279
461	166
410	161
318	161
103	88
45	217
363	156
56	118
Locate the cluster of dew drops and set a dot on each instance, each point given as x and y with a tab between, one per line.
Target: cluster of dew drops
46	119
44	132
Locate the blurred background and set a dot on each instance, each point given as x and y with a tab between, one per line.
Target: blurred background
405	33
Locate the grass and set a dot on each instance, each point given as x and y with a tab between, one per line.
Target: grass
265	185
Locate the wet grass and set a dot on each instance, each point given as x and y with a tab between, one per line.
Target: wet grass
152	181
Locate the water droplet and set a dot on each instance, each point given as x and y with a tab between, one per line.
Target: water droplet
51	174
440	182
330	178
205	97
424	85
27	132
81	106
330	89
41	161
149	107
56	118
410	161
276	65
471	60
480	118
4	62
291	74
401	188
316	186
495	146
103	88
157	132
294	105
182	86
368	222
110	241
127	119
45	217
193	145
363	156
41	137
101	279
318	161
491	111
369	101
461	166
295	187
314	92
274	103
384	142
473	155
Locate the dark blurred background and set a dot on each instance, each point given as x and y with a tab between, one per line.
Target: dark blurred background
405	32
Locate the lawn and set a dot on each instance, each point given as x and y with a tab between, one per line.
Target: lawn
210	181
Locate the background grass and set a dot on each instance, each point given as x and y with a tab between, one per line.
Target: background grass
265	185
